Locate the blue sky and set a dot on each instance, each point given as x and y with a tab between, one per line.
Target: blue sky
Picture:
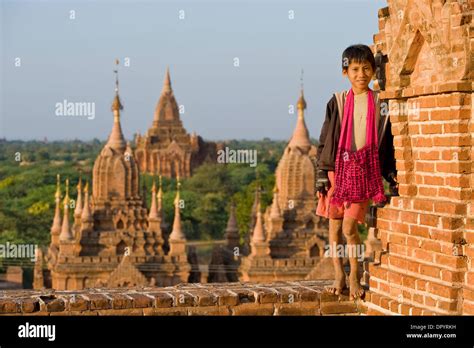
72	59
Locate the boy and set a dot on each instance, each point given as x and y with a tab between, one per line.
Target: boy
366	134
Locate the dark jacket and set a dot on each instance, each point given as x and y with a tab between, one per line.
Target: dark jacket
331	130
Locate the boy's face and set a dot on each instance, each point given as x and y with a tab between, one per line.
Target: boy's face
359	74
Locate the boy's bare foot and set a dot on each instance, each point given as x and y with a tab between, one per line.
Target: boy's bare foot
355	289
337	287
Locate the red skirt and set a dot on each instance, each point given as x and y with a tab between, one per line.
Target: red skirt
356	211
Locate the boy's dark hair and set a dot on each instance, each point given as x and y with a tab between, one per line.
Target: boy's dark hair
359	54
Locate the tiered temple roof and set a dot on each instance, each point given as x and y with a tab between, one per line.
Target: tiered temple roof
113	231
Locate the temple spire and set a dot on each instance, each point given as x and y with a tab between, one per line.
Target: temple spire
275	211
256	204
66	233
153	209
161	215
86	211
57	195
301	104
232	230
258	232
167	82
300	138
177	232
256	201
160	195
302	101
232	222
78	209
155	238
56	227
116	138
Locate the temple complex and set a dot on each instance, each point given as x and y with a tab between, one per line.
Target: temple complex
113	238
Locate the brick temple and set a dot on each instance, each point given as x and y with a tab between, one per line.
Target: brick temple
286	241
114	239
166	148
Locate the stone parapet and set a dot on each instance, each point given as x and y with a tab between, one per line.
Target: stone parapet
229	299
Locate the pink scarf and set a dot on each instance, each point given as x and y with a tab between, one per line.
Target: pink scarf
357	175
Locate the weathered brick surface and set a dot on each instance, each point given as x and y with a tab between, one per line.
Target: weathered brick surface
427	232
161	299
140	300
98	301
280	298
301	308
8	305
30	305
121	301
51	303
77	303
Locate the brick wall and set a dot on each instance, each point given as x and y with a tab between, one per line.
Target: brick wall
279	298
427	233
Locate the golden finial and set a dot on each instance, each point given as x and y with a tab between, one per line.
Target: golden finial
58	187
301	100
116	104
86	187
178	184
116	76
160	191
275	188
153	187
66	197
79	184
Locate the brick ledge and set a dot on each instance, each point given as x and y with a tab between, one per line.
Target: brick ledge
242	298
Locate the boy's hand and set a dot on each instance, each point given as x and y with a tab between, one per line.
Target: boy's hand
393	184
322	182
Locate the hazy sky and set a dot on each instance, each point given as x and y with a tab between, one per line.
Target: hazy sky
72	59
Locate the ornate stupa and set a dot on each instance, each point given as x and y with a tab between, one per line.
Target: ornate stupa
286	241
167	148
114	239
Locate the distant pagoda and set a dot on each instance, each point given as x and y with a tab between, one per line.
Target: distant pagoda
167	148
287	241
